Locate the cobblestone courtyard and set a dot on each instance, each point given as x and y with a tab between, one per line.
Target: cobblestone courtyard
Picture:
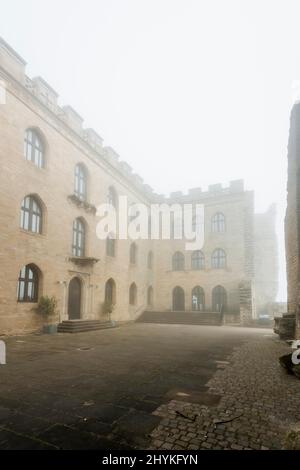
147	386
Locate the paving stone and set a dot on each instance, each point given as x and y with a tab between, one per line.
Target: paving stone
67	439
118	393
257	404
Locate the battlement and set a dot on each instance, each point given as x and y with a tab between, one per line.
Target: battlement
13	65
235	187
12	62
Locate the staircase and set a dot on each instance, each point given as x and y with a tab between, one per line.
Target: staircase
80	326
182	318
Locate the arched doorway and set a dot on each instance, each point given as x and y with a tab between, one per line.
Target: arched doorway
178	299
219	299
74	304
110	292
133	294
150	296
198	299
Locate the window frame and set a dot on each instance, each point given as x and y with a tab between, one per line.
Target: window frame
26	280
219	259
198	260
218	223
31	216
112	197
34	148
80	186
79	238
178	261
111	246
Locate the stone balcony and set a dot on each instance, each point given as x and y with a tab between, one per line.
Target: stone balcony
83	260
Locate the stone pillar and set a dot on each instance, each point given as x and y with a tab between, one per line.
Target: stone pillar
246	302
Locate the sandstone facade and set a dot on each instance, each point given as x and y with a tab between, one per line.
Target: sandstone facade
31	104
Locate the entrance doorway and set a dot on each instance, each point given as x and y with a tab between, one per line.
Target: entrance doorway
74	305
178	299
198	299
219	299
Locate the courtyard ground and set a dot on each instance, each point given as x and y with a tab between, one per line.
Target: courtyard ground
147	386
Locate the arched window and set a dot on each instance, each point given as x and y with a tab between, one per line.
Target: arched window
80	182
197	224
178	299
218	223
110	292
178	261
150	296
198	260
31	215
150	260
219	299
133	212
133	294
176	225
28	284
112	197
218	259
78	247
198	299
34	148
133	253
111	245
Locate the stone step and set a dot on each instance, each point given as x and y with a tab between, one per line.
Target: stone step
83	322
182	318
81	326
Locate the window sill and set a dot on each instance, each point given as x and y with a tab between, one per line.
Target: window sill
82	204
38	168
34	234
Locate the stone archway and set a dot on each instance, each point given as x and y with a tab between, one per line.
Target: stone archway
178	299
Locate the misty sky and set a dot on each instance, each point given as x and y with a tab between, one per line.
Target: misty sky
188	92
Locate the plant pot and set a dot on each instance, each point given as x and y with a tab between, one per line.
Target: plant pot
50	329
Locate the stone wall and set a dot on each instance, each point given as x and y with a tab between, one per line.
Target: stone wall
292	219
247	312
236	241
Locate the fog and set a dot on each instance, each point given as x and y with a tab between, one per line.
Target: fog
188	92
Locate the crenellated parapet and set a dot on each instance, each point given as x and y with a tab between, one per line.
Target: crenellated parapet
15	67
12	62
214	190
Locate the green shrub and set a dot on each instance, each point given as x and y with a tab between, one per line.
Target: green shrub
47	306
108	307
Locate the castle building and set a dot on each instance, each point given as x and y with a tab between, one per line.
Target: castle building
55	173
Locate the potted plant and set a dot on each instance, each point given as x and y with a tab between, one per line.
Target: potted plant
107	309
47	307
